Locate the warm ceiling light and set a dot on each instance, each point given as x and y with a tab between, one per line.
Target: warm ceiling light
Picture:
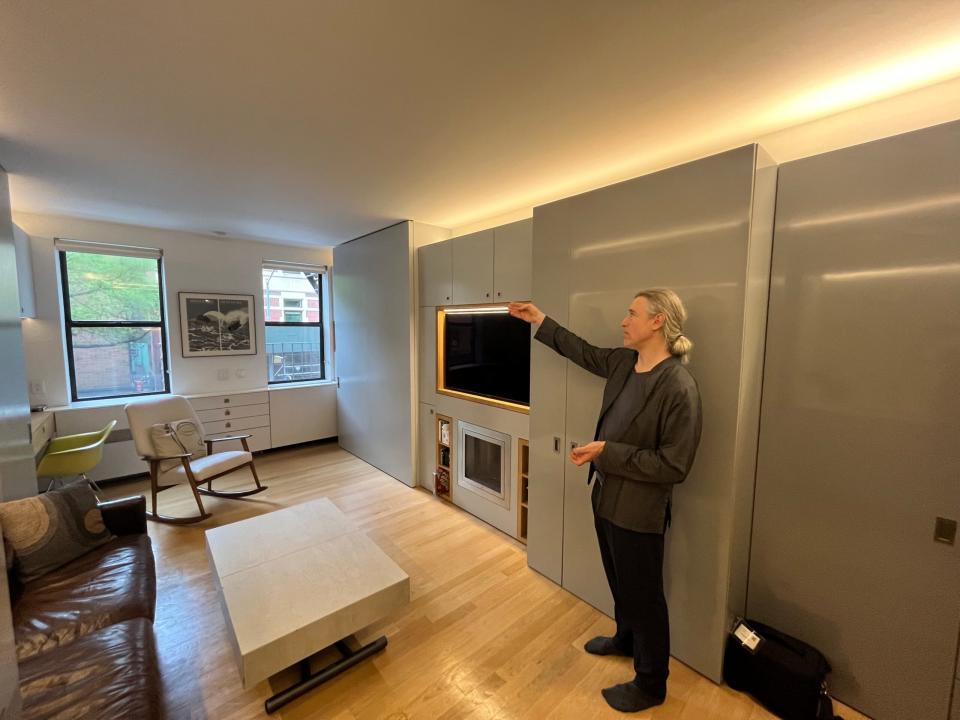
893	78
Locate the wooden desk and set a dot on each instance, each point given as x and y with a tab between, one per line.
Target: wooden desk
42	431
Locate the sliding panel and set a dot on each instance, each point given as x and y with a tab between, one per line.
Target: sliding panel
688	228
548	396
374	305
859	450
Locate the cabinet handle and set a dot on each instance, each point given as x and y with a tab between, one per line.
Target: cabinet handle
486	294
499	293
556	444
945	530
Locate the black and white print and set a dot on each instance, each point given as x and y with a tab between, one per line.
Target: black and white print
213	324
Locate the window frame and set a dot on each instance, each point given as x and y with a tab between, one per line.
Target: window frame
321	273
69	323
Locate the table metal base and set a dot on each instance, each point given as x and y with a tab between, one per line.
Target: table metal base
308	680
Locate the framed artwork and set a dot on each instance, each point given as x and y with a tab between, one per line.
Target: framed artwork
214	324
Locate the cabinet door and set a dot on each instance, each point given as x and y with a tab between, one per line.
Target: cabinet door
473	268
512	261
435	274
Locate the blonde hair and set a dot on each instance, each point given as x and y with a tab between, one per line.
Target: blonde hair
663	300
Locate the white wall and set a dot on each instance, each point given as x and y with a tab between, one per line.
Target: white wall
191	262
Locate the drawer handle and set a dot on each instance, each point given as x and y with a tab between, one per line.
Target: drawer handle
226	400
227	413
228	424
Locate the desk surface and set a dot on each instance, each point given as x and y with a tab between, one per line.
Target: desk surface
295	581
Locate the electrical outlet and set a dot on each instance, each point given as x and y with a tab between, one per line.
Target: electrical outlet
241	372
37	388
223	374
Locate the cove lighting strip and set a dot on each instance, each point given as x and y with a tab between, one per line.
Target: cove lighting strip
499	310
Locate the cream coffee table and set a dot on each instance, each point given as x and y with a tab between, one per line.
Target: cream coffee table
296	581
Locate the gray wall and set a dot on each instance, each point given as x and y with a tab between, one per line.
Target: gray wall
17	475
859	446
704	229
374	304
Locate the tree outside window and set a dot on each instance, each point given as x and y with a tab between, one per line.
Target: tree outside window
114	325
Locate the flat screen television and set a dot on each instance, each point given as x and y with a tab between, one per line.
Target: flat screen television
484	355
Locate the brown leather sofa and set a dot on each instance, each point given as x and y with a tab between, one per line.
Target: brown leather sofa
84	632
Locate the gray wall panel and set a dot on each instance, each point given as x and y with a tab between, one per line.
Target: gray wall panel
548	397
373	290
860	420
17	474
688	228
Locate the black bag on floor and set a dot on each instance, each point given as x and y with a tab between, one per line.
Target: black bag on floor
785	675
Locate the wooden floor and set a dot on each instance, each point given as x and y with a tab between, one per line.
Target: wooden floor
483	637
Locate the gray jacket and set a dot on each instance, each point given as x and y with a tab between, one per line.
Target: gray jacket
654	451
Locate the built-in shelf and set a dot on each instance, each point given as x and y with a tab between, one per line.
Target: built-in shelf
523	456
443	480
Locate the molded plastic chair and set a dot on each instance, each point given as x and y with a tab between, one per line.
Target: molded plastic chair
74	455
196	471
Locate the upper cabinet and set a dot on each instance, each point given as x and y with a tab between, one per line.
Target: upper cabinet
473	268
513	261
435	274
28	305
490	266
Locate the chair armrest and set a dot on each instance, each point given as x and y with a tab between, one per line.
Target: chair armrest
232	437
75	442
148	458
126	516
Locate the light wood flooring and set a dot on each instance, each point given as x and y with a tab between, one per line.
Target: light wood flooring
484	637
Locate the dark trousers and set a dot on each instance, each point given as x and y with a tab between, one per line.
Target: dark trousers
633	562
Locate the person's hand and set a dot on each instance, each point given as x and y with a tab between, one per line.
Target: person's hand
586	453
528	312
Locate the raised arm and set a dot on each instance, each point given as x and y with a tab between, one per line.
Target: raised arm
574	348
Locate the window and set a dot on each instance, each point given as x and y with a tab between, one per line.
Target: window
113	320
293	308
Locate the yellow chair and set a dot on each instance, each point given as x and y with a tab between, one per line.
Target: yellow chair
74	455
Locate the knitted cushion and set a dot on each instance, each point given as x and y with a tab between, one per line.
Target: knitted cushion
176	438
50	530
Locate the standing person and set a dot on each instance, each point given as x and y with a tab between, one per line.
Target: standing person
645	442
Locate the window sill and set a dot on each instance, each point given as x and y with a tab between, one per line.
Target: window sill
103	402
304	384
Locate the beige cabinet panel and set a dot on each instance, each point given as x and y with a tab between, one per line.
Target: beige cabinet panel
472	257
436	273
512	261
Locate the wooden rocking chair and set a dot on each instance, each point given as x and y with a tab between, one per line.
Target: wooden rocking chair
195	471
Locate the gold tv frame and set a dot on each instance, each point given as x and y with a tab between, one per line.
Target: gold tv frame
441	380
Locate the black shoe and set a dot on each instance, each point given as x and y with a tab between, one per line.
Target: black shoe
601	645
628	697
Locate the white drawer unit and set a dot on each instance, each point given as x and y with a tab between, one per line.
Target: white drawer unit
259	439
236	414
236	424
211	402
233	412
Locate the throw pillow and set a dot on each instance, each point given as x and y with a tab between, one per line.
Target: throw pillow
176	438
50	530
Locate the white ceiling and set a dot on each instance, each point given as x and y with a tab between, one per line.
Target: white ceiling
317	121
